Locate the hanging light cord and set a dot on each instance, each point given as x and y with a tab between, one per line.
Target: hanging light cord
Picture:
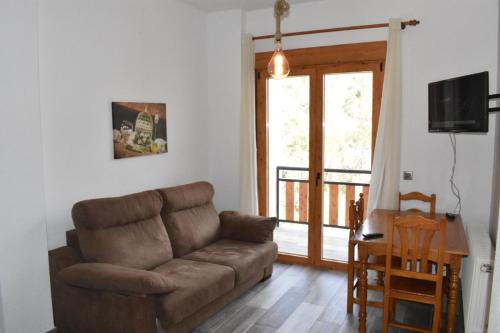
454	187
281	8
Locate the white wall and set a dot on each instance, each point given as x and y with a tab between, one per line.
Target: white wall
443	46
96	52
224	102
494	320
24	277
495	200
1	312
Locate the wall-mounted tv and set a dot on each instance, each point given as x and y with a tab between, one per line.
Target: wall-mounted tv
459	104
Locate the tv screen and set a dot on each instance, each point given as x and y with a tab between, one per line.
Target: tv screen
459	104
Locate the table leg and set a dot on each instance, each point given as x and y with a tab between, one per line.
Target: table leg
455	263
363	290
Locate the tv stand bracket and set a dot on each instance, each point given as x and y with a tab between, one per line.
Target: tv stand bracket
495	96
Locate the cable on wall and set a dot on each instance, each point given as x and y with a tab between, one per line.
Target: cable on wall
454	188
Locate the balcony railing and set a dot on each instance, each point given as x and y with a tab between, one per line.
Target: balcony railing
292	195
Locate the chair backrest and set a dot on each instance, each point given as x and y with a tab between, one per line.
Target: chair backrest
356	213
417	196
412	242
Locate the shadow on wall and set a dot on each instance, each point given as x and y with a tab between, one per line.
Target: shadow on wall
495	199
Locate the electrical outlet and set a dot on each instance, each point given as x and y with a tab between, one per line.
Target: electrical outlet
407	175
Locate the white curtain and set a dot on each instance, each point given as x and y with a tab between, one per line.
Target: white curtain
248	145
384	187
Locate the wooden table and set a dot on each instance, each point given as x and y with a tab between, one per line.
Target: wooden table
456	249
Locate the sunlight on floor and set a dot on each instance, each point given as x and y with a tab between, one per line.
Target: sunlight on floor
292	239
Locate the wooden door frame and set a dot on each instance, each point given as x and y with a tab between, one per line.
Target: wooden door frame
262	151
312	60
376	67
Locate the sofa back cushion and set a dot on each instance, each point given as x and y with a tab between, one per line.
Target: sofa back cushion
190	217
126	231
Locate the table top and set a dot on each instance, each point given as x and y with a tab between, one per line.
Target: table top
456	241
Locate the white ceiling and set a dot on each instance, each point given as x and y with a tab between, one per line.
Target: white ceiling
217	5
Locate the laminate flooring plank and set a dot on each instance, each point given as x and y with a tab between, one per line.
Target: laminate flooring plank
302	319
261	329
241	321
326	287
283	308
322	327
268	296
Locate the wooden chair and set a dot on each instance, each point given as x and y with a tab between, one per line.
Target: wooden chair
417	196
413	280
356	218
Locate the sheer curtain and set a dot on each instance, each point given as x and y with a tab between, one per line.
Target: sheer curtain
384	187
248	145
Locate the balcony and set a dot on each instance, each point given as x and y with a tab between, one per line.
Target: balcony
292	209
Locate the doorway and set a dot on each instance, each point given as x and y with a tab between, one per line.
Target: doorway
315	135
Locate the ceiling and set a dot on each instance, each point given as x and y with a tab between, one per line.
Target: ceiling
218	5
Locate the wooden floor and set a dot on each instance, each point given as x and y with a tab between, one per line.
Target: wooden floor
300	299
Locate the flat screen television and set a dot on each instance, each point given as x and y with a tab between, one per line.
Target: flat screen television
459	104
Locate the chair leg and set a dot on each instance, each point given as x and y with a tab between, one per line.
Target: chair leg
387	310
446	279
350	287
350	278
357	289
436	320
392	305
380	278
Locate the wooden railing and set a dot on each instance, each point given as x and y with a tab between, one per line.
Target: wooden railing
295	203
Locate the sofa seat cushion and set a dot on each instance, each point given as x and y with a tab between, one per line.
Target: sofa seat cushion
244	257
197	284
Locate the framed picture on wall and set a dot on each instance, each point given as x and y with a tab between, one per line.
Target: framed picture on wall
139	129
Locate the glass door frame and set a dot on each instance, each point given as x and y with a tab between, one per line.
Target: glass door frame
312	62
374	67
262	120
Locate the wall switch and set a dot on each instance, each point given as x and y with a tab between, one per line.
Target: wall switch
407	175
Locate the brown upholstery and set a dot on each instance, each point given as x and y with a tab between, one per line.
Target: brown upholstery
79	310
244	257
128	281
202	314
198	284
125	231
190	217
186	196
246	228
119	275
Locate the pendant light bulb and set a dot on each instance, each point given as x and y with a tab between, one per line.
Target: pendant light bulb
278	68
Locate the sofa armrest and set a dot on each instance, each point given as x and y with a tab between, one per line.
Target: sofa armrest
114	278
248	228
80	310
63	257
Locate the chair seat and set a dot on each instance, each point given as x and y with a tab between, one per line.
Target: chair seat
198	284
244	257
402	287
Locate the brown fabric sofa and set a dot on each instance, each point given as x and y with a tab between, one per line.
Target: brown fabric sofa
156	261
